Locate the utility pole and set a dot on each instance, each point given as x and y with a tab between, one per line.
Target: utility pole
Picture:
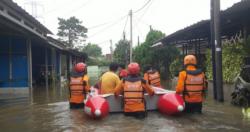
213	48
138	42
111	50
124	36
218	52
36	9
131	36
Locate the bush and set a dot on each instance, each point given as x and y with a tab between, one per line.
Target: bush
175	67
232	59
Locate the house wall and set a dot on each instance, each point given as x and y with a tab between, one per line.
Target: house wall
13	63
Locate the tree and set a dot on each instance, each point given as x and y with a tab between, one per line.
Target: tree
161	58
92	50
71	31
143	53
122	51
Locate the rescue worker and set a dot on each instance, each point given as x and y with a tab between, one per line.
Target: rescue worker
192	85
132	87
153	77
122	71
109	80
79	85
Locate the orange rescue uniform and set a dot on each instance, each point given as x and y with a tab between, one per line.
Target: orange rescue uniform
79	86
153	78
133	93
191	85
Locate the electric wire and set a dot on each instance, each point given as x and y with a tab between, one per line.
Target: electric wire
125	24
105	23
107	27
147	5
142	6
57	8
79	7
139	19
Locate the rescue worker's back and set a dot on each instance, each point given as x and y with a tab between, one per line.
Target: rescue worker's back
192	85
79	86
133	88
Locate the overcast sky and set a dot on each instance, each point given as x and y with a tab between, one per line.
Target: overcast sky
106	19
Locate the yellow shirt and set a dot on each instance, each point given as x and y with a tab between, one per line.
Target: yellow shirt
86	79
109	81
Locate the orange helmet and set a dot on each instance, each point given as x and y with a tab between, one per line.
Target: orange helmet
190	59
80	67
133	68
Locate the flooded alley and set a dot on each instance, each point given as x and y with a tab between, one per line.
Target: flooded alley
48	110
62	54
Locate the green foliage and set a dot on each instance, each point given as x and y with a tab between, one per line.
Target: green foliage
176	66
92	50
246	47
209	66
160	58
71	31
232	60
121	52
99	61
165	56
94	53
143	53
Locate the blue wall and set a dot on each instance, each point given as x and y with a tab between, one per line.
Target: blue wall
13	58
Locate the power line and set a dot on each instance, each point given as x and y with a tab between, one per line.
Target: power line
99	25
142	6
125	24
139	19
71	11
79	7
145	11
58	8
102	42
111	25
106	23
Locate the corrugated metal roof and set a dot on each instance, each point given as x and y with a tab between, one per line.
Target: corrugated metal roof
231	22
26	15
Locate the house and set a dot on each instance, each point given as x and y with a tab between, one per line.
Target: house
28	57
195	39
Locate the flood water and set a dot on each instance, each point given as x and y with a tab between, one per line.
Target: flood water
48	111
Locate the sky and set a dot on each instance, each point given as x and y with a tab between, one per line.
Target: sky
107	19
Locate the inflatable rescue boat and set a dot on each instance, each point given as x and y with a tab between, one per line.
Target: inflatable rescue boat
166	101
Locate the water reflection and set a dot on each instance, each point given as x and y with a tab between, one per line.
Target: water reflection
246	113
48	110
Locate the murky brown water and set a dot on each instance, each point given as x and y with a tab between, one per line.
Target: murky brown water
48	111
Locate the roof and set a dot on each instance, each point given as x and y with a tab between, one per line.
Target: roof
77	53
188	33
21	12
61	45
233	20
56	43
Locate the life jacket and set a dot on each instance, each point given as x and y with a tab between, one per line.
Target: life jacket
194	86
77	89
154	78
133	95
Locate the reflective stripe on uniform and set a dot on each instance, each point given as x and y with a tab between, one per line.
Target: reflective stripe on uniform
194	87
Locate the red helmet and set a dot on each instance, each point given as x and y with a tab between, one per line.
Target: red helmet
133	68
80	67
